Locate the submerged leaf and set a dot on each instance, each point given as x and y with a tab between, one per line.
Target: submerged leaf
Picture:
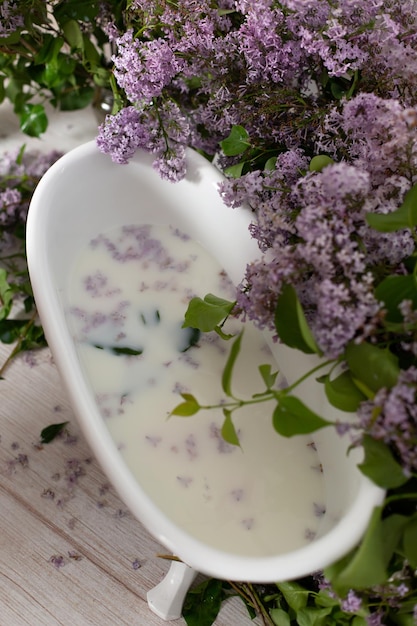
120	350
189	338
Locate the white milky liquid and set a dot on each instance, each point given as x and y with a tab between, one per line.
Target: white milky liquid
130	289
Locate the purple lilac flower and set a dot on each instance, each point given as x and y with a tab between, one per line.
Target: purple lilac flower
143	69
19	174
163	131
326	266
391	416
171	165
267	56
11	18
352	602
192	79
375	619
10	201
122	134
375	133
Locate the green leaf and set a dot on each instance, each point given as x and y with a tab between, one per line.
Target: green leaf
228	368
404	620
292	417
342	392
6	295
410	542
291	324
337	89
49	433
379	464
310	616
208	313
80	10
33	119
373	366
73	34
393	290
319	162
268	377
203	603
324	599
2	89
228	429
366	566
10	330
30	337
237	142
92	57
392	531
187	408
235	171
49	50
295	595
403	217
280	617
75	99
270	164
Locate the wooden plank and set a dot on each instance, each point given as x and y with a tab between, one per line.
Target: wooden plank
70	552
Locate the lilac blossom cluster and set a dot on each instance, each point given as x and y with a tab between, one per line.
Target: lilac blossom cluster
312	227
19	175
10	18
391	416
269	66
303	78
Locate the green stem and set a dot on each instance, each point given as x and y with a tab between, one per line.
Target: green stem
249	595
308	374
18	345
400	496
268	395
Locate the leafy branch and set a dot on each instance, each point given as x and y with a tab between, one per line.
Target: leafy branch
290	415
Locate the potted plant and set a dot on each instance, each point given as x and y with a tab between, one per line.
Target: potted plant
55	54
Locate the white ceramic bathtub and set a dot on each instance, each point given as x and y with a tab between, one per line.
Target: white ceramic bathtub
84	193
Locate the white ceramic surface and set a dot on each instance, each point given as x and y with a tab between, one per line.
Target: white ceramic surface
85	193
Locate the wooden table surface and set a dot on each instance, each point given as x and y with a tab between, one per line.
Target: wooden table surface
70	551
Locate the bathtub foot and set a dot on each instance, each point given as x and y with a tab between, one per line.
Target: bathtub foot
166	599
